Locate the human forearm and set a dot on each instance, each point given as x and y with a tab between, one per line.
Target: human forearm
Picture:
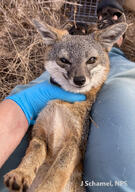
21	109
13	126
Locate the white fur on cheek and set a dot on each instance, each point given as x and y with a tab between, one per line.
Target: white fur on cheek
97	75
57	73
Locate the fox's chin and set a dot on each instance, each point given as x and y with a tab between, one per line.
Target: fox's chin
76	89
79	89
78	86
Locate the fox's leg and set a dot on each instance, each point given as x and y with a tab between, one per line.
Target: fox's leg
61	170
21	178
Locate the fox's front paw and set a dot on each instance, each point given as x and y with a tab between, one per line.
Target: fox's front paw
17	180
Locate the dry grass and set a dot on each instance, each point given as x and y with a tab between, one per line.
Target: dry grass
129	43
22	49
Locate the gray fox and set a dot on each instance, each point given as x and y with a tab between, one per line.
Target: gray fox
80	64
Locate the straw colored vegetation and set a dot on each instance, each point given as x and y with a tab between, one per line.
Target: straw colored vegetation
21	47
129	43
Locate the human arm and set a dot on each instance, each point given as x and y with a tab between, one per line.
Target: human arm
17	112
13	126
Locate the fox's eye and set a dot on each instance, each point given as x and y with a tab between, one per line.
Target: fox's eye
63	60
91	60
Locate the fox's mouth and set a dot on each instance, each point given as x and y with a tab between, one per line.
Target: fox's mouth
65	76
54	82
79	86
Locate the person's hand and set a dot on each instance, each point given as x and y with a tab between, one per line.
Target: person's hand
33	99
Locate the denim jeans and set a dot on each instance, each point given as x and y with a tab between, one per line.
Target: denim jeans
109	164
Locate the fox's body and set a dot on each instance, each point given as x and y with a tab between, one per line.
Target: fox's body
78	64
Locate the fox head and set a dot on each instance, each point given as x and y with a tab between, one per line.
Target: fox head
79	62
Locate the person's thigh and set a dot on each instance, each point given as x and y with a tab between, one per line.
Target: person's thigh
110	155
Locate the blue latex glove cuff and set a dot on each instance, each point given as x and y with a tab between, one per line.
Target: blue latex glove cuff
32	100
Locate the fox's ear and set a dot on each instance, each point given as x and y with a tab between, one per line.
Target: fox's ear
49	34
107	37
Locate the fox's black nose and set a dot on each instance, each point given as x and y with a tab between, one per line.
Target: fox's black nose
79	80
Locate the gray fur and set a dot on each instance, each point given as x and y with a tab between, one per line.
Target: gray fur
78	50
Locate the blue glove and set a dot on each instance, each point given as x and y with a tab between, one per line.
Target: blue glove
35	98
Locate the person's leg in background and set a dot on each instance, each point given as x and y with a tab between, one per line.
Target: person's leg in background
110	154
130	4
